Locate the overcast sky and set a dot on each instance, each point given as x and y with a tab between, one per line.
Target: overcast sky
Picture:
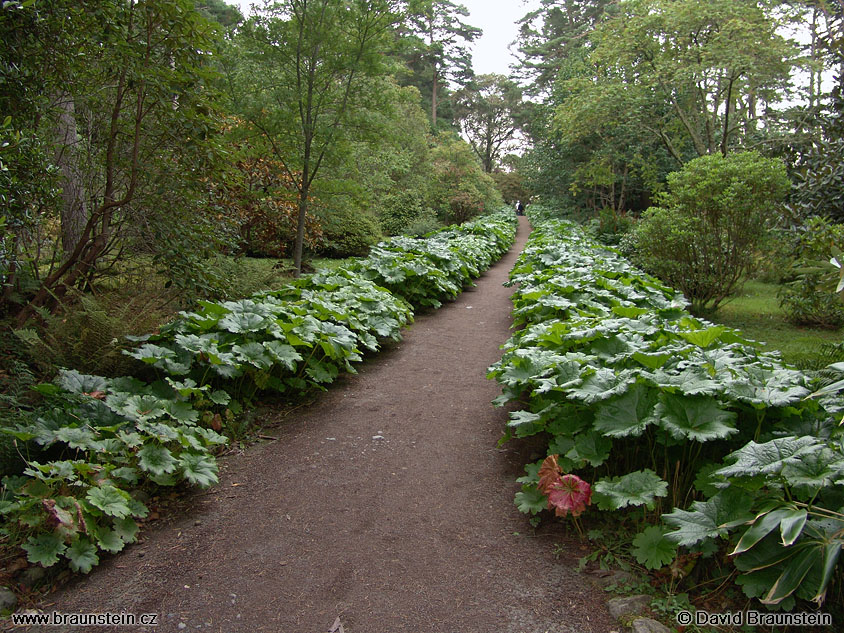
498	20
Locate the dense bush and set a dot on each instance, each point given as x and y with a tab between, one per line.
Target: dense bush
610	227
460	188
426	222
809	298
349	233
702	239
399	210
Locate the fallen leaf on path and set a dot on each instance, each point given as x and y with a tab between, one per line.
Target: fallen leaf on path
337	627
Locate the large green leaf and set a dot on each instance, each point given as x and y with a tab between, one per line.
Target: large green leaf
817	468
709	519
156	459
652	549
628	414
638	488
44	549
199	469
769	457
82	555
651	361
704	338
75	382
530	501
241	322
76	437
590	447
254	354
698	418
109	540
285	355
525	423
112	501
603	383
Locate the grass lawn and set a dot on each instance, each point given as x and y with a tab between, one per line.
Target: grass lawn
756	312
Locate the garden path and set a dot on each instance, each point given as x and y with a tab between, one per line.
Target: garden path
385	507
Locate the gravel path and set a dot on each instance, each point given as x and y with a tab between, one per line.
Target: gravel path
386	504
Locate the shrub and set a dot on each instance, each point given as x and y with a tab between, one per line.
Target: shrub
350	233
427	222
460	189
399	210
703	238
610	227
810	297
633	396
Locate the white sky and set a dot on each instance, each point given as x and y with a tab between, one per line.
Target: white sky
498	20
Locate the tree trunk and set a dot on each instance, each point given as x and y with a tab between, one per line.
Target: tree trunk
434	99
74	212
298	247
304	189
725	136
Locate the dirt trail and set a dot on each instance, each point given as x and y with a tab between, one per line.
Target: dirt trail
386	503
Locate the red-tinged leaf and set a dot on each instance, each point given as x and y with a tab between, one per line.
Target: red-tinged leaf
99	395
571	495
57	517
549	474
217	422
566	493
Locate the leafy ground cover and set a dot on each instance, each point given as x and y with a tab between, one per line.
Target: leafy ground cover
642	408
107	437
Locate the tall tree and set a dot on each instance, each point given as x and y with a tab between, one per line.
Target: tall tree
697	71
487	110
299	83
134	87
443	40
551	34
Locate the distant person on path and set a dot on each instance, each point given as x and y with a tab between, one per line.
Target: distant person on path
520	208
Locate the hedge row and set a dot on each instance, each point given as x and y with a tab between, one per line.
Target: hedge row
644	402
